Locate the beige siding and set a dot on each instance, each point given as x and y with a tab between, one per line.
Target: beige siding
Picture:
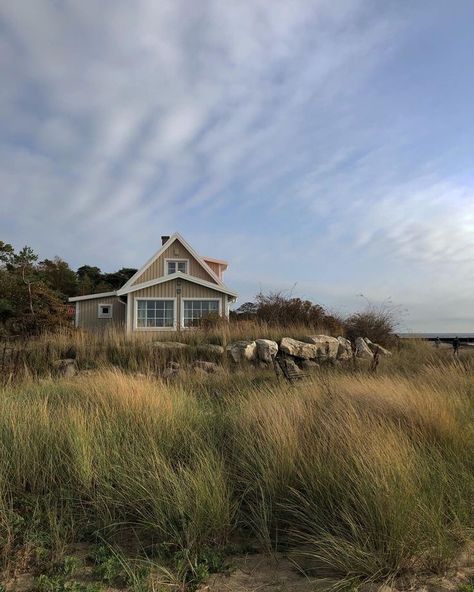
168	290
216	268
89	313
175	251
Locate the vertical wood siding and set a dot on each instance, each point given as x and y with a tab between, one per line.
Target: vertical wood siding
175	251
89	311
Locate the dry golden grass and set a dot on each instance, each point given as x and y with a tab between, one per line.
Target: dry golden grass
356	475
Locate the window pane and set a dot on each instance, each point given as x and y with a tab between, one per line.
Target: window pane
195	310
155	313
171	266
182	266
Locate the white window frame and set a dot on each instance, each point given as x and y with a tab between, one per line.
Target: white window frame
135	315
177	260
102	315
218	300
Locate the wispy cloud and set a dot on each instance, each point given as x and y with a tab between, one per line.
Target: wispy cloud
290	137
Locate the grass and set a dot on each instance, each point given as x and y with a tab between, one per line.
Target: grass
356	476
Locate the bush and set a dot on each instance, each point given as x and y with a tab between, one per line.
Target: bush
376	323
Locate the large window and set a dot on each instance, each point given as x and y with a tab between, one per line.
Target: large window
195	310
174	265
155	313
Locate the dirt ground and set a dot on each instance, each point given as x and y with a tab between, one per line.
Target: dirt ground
276	573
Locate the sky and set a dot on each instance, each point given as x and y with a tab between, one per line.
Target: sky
323	147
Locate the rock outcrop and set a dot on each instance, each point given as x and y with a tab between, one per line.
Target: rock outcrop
266	350
241	351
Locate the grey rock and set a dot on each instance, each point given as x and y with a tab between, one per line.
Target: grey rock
344	351
208	367
241	351
211	348
169	345
266	350
327	346
362	350
298	349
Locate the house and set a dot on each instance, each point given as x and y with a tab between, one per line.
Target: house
173	290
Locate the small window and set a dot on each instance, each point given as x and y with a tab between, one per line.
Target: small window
195	310
105	311
177	265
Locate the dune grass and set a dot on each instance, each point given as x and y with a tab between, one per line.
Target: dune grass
356	476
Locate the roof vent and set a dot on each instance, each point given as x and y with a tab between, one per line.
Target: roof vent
164	239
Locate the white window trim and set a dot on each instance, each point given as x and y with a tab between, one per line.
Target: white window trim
218	300
135	315
177	259
100	314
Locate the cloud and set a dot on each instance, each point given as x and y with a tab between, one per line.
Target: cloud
275	132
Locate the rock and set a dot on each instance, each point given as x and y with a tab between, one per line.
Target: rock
66	368
211	348
327	346
298	349
362	350
292	366
309	365
266	350
344	351
171	370
374	346
168	345
208	367
241	351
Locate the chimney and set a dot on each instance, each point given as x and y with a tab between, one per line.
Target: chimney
164	239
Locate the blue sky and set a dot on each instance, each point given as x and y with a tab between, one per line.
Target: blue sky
322	146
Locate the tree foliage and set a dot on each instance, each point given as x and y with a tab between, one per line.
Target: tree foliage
33	295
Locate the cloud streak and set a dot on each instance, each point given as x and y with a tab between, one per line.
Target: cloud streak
277	135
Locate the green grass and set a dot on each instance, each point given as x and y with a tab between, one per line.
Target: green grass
356	476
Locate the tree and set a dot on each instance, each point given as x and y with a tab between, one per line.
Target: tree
58	276
24	262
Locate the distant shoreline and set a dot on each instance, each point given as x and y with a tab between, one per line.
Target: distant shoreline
415	335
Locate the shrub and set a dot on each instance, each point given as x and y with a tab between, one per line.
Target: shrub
378	323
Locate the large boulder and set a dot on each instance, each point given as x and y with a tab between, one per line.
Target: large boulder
327	346
241	351
169	345
211	348
362	350
344	351
266	350
375	346
298	349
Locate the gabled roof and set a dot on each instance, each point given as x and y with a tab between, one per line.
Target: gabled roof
168	243
174	276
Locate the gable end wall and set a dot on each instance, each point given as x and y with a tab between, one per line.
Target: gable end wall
174	251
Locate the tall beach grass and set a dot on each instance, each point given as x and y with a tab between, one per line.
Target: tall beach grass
358	476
